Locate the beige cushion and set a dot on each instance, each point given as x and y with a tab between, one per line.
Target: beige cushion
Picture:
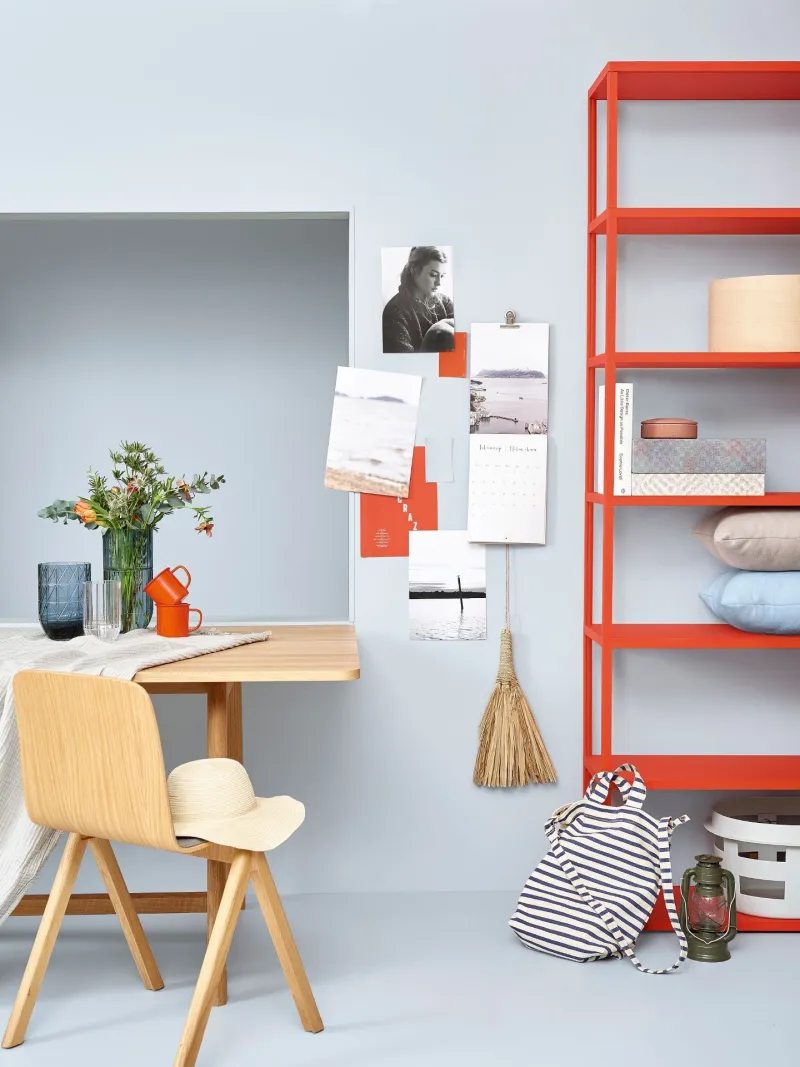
753	539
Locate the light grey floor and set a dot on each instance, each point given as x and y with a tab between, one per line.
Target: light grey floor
433	979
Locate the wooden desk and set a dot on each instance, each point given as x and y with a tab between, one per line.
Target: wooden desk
291	654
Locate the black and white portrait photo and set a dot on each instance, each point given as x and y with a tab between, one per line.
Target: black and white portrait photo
418	313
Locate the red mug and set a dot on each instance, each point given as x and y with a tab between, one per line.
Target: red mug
165	588
172	620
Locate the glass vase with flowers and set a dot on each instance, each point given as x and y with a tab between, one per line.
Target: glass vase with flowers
128	510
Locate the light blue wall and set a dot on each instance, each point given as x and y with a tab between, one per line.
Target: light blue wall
458	122
215	342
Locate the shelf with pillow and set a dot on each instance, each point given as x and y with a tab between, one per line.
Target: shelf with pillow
603	637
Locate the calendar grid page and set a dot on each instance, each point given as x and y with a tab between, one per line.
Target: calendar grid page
507	489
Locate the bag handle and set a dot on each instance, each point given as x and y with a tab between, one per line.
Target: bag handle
633	795
665	828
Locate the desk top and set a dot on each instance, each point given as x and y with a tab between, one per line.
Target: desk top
291	654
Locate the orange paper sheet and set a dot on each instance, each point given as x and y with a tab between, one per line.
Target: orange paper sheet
386	521
454	364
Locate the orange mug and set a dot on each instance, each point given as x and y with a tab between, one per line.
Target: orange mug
165	588
172	620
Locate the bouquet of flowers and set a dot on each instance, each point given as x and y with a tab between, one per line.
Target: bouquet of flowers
128	510
142	495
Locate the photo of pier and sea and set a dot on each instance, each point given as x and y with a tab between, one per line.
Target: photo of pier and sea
446	587
508	402
508	378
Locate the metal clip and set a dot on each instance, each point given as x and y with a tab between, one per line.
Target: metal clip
510	323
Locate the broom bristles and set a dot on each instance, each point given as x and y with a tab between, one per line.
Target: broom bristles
511	751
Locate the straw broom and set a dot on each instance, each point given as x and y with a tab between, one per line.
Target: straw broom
511	750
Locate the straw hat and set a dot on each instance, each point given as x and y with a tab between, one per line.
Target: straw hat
213	799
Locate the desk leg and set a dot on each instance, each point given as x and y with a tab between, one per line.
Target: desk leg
224	738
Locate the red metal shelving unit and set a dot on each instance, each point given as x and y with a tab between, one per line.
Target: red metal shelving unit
668	81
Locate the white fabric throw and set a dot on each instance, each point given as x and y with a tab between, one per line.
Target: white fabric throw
24	847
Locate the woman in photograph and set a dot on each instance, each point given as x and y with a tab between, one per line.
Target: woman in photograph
419	318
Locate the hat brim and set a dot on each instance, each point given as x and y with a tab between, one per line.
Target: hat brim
271	822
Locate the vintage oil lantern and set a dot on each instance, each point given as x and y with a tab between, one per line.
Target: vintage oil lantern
708	910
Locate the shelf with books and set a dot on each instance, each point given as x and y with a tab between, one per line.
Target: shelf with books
708	221
704	635
767	500
697	360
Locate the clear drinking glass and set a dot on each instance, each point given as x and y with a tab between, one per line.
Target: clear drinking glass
102	610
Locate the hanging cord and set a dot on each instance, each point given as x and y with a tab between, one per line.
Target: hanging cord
508	587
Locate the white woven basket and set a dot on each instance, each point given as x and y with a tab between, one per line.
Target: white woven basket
767	829
758	314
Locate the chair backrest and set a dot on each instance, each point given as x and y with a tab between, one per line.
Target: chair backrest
91	758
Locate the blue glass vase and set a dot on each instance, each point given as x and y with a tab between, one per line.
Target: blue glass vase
61	598
128	559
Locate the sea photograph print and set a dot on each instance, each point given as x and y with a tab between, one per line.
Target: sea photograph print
508	386
373	427
446	587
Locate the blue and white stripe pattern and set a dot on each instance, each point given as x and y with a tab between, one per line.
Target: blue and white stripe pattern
592	894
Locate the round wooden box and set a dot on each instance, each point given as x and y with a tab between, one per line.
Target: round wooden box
759	314
674	428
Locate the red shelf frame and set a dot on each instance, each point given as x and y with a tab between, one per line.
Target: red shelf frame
699	81
697	220
702	635
766	500
668	81
699	360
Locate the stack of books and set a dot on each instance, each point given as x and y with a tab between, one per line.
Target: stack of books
677	466
711	467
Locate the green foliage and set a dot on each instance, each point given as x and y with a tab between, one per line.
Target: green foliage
141	494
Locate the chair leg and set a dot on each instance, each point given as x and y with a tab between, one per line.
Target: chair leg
126	913
280	931
45	940
216	954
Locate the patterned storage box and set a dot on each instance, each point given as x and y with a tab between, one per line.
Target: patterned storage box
661	484
712	456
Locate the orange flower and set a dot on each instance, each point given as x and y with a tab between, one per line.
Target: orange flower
205	527
81	507
88	516
115	489
132	487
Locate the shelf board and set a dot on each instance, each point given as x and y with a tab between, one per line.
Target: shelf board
659	920
767	500
699	220
707	772
701	81
699	360
685	636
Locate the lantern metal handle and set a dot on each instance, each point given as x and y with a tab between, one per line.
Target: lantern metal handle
685	884
730	883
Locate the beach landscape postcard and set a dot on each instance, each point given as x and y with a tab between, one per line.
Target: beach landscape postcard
373	427
508	378
446	587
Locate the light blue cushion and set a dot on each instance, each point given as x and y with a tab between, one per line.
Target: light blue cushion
762	602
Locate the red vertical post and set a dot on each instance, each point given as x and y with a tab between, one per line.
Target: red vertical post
607	569
591	351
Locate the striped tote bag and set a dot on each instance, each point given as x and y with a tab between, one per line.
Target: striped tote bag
592	894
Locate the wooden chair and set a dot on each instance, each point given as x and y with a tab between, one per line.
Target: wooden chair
92	765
